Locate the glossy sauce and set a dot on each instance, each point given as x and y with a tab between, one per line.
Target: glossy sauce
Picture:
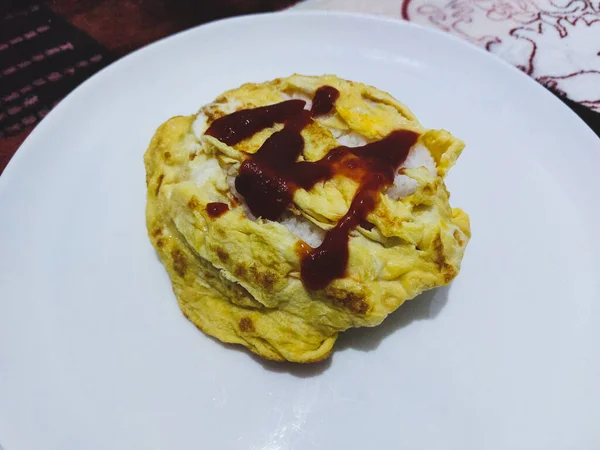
268	179
216	209
234	128
374	167
324	100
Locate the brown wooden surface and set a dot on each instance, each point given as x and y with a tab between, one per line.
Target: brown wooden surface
126	25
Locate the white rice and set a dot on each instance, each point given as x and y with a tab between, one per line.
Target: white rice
232	189
348	138
303	229
203	171
403	186
351	139
200	125
419	156
297	95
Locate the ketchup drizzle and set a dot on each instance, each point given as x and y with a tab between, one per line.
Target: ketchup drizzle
216	209
268	179
324	100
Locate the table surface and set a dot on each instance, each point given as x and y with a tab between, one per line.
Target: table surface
85	29
48	47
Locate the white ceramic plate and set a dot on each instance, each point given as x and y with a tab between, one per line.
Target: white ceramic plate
95	354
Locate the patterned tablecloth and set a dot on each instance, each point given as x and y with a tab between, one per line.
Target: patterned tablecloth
48	47
557	42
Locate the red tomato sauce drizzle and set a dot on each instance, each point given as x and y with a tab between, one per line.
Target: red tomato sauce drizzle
268	179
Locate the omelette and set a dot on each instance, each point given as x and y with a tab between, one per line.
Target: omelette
288	211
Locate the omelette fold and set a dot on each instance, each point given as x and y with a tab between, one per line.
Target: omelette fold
288	211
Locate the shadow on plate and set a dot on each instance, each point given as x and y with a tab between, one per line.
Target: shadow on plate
426	306
295	369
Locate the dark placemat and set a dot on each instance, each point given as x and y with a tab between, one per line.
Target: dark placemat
43	58
592	118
